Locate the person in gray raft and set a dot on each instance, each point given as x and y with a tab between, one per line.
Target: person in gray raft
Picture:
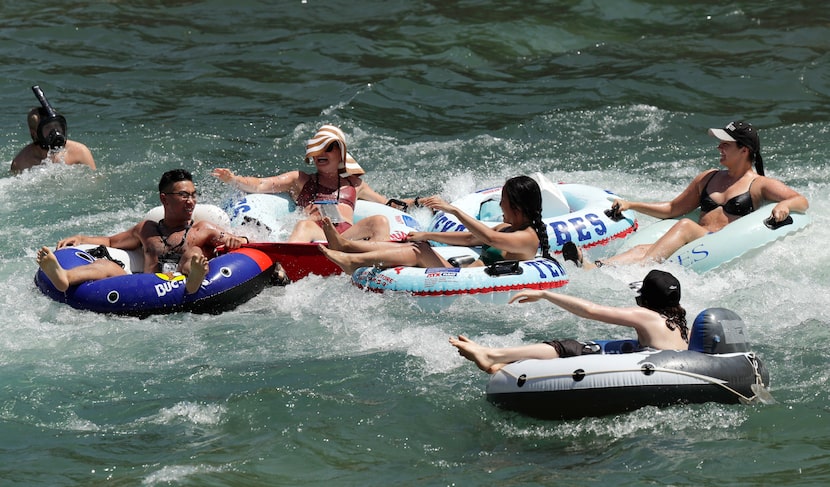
723	196
658	319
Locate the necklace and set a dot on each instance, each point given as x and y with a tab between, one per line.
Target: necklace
175	248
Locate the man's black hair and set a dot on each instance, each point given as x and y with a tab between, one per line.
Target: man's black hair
172	177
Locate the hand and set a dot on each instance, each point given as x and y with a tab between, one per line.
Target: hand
780	212
527	296
436	203
70	241
620	205
416	237
235	241
224	175
231	241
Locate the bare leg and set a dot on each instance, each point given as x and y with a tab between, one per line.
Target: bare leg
490	360
350	262
681	233
678	235
374	228
340	242
415	254
51	267
62	279
333	237
306	231
632	255
198	269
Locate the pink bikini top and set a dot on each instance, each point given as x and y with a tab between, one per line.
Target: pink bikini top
312	191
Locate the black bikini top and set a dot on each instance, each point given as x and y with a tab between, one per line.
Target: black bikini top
740	205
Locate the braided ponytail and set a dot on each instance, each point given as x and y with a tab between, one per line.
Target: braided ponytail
542	233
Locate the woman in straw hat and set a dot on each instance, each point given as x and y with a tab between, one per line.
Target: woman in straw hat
337	179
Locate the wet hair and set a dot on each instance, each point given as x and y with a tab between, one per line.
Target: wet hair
754	157
172	177
523	194
745	135
34	117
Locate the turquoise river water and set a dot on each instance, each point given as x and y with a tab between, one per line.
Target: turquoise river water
318	383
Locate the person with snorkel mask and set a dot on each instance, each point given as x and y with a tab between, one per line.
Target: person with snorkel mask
49	140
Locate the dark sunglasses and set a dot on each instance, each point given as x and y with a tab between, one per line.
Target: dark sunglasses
333	147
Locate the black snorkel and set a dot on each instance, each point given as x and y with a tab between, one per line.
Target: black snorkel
51	122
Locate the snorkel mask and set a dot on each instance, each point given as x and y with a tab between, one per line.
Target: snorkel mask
51	130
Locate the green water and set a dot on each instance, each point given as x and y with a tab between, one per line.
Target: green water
318	383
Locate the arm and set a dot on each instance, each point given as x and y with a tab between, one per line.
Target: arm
251	184
465	239
209	236
633	317
683	203
23	159
126	240
79	154
519	242
366	192
788	199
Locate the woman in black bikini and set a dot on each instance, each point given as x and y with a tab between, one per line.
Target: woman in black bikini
722	195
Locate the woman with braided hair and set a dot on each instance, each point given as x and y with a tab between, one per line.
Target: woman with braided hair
518	238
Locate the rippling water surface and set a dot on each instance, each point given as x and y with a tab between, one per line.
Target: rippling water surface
318	383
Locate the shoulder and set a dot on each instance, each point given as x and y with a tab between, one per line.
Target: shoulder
767	182
204	230
355	181
292	178
205	225
707	174
773	188
639	318
75	145
25	159
79	154
300	176
703	178
145	226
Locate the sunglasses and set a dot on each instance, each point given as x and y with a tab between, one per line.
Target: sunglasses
185	195
332	147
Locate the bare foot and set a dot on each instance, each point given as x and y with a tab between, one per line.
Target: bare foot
342	259
51	267
336	242
198	271
476	353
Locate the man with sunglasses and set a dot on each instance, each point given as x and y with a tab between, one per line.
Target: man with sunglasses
173	244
